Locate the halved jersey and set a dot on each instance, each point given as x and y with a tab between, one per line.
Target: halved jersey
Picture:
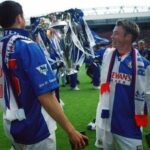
121	98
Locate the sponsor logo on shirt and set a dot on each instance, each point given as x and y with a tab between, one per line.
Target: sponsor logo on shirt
42	69
121	78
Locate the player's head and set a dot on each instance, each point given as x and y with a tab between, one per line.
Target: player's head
11	15
129	27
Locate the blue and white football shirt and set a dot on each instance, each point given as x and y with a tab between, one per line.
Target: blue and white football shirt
30	76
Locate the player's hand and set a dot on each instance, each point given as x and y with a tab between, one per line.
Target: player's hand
78	140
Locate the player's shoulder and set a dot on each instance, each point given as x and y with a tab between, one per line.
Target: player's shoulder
109	51
23	46
25	42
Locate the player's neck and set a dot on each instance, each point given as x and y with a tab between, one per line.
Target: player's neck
124	50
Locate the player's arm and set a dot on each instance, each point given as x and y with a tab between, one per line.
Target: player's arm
52	106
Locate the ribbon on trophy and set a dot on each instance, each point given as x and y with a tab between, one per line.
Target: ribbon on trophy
64	37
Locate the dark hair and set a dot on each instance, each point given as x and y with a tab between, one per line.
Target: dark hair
9	10
130	27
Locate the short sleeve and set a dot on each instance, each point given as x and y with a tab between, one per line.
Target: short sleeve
37	68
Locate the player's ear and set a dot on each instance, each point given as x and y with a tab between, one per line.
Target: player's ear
20	21
129	37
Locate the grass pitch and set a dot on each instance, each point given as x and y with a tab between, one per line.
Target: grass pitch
80	107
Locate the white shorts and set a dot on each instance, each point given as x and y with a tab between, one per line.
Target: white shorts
47	144
123	142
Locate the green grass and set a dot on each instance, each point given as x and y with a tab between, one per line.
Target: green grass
4	143
80	107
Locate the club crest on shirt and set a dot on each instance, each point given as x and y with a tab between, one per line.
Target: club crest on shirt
130	64
42	69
